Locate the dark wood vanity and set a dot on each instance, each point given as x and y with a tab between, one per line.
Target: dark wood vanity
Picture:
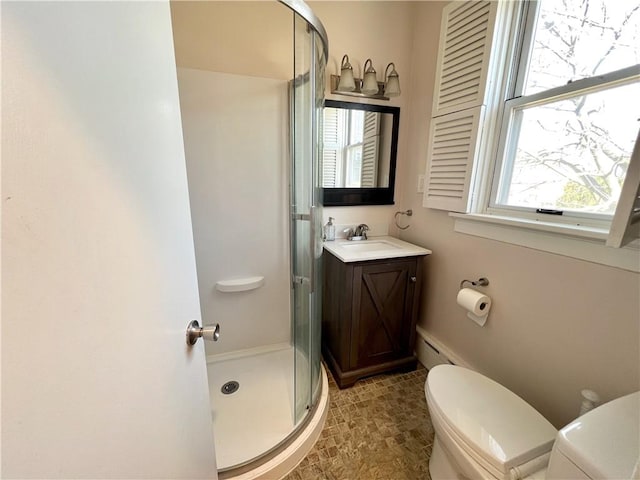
369	313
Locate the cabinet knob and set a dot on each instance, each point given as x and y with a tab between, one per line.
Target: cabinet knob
413	279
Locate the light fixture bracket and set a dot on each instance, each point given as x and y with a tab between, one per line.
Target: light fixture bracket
335	79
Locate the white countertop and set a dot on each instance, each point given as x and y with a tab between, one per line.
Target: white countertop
375	248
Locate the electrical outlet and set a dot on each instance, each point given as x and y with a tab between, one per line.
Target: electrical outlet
420	183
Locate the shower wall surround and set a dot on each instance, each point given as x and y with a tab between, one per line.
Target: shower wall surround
236	147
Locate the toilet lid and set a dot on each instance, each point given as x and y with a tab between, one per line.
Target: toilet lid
605	443
491	421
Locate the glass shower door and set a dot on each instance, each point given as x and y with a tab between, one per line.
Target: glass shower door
307	94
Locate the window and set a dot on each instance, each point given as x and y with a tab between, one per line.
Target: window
351	147
536	113
572	112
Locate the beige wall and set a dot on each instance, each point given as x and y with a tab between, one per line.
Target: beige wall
244	38
380	31
557	324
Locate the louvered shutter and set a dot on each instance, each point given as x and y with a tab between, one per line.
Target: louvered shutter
330	147
452	148
370	146
466	39
625	226
463	57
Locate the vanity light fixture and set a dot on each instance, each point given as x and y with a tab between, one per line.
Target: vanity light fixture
391	81
369	81
347	82
369	86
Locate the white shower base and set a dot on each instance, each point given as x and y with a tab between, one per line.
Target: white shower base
259	415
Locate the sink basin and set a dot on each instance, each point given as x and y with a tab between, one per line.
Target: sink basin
376	248
370	246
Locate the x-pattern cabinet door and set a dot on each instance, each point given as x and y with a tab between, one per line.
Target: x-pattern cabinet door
382	309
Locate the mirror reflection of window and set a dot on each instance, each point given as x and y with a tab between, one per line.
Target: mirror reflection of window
356	125
352	148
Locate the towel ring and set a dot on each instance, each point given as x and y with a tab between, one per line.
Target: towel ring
408	213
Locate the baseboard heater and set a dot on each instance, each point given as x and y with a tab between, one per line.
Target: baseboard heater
429	355
431	352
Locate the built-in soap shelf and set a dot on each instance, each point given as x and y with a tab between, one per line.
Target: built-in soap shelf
239	284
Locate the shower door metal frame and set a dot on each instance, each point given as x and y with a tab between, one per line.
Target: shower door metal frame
306	96
302	9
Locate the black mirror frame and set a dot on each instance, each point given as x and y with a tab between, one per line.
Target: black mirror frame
343	197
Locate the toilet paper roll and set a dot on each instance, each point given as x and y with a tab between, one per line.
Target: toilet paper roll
476	303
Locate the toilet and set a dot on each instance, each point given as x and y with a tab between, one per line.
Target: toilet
484	431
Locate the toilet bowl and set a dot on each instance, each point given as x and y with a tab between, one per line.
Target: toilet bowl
484	431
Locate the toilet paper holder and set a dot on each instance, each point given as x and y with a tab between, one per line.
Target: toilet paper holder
481	282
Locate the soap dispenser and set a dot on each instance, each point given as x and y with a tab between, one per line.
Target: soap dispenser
330	230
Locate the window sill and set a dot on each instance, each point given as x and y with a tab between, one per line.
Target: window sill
584	243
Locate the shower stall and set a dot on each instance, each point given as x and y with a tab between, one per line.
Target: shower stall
251	83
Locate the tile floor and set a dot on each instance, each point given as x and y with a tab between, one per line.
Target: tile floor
379	429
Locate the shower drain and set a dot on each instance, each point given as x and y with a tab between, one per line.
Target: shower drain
230	387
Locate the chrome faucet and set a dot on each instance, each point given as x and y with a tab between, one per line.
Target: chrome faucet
361	231
349	233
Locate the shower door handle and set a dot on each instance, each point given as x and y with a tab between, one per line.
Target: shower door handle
208	332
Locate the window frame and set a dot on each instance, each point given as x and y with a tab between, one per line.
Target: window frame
463	141
509	101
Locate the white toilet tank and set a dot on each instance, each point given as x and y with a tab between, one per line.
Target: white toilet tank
602	444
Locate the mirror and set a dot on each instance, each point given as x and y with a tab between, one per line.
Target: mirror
359	153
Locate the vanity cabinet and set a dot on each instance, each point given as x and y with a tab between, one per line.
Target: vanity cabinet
369	313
